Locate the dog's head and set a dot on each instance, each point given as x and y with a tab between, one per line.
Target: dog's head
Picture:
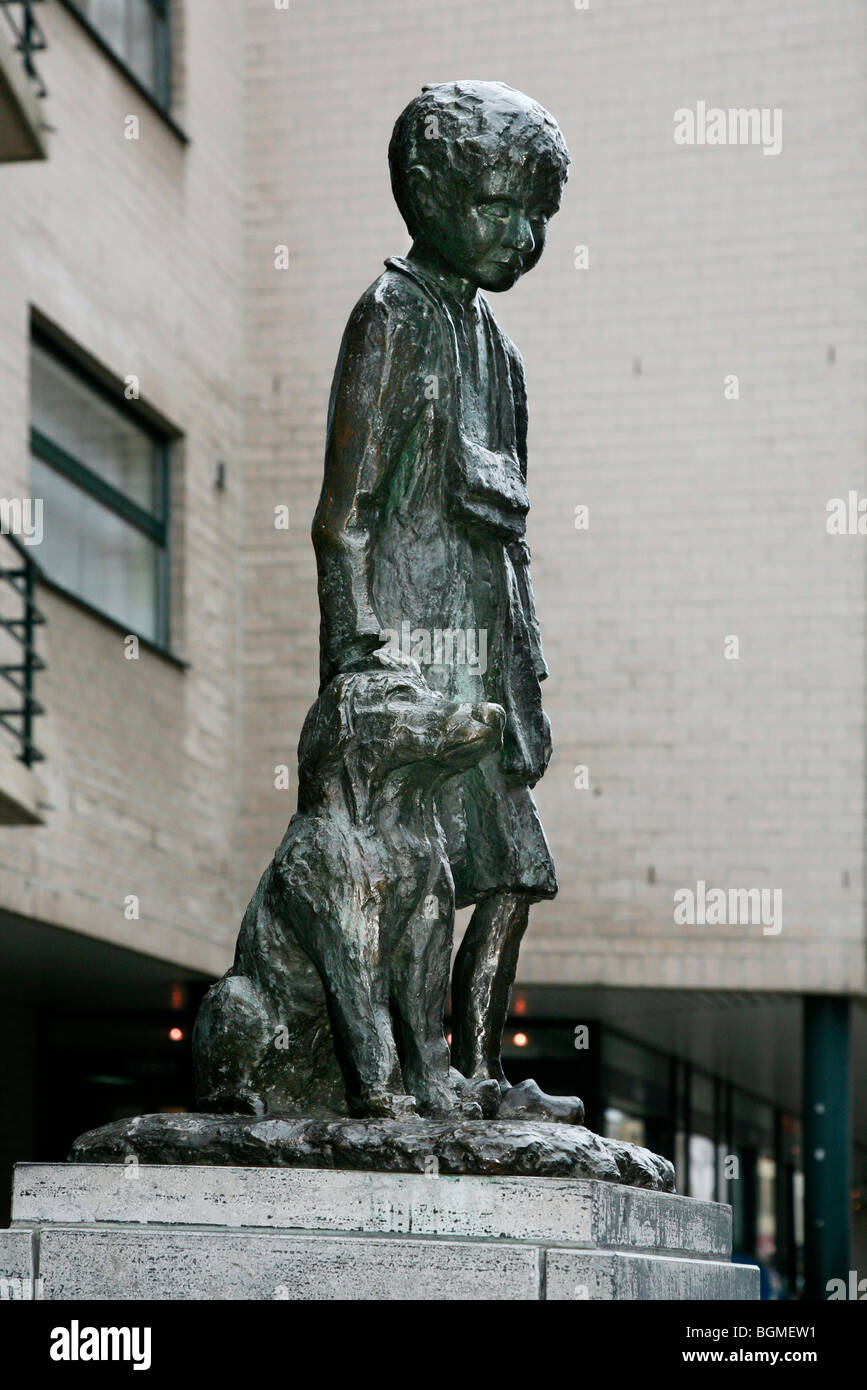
367	725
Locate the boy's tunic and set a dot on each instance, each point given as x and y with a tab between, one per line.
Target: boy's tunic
421	521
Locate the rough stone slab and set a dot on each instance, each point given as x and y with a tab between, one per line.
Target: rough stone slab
547	1210
176	1232
133	1263
17	1265
607	1276
633	1219
492	1147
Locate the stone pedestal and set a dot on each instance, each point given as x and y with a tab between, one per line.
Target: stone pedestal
136	1231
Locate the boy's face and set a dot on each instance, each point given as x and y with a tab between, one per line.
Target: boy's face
492	230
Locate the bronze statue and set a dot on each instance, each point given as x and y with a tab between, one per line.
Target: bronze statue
424	503
323	1046
428	632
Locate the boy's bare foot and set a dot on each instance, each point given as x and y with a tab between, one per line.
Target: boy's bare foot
527	1102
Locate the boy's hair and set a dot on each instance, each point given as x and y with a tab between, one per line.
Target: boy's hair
461	129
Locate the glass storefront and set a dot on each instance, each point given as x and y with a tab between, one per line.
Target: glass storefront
727	1145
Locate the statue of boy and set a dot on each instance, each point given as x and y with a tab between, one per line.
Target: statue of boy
419	532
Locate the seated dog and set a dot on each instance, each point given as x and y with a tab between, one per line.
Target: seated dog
344	951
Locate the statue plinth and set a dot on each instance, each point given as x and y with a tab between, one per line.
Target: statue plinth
134	1231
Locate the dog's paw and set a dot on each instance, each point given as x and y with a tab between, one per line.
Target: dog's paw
481	1091
233	1103
436	1100
386	1105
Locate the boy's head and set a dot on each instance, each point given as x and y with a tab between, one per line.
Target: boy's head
477	170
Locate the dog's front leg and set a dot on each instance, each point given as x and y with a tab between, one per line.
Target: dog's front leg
420	965
345	950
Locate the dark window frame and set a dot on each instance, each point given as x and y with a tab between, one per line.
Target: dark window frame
153	524
159	98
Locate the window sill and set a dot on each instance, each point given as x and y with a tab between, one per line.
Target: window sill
118	62
146	642
22	121
22	795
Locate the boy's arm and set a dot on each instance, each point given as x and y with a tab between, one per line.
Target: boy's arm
519	551
376	400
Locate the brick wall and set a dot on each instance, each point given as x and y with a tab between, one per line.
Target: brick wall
133	249
707	514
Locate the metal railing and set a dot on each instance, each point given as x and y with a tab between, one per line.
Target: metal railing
28	36
20	574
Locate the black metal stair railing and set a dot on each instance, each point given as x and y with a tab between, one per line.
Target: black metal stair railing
28	36
20	574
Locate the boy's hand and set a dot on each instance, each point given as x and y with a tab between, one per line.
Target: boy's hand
366	658
359	658
525	765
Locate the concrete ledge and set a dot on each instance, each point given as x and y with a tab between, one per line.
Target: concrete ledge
174	1232
162	1264
621	1276
562	1210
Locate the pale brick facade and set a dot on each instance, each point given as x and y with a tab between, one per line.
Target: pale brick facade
133	250
707	515
160	257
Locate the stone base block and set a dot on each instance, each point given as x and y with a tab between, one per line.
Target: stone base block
17	1265
612	1276
112	1231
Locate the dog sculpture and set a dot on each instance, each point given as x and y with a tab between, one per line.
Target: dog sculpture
344	951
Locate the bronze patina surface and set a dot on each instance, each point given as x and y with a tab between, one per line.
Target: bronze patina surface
324	1043
427	620
520	1148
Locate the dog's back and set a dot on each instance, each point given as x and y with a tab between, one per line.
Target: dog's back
262	1041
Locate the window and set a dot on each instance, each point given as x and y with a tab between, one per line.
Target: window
101	471
137	32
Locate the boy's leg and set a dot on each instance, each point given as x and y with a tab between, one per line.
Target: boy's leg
482	980
485	969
